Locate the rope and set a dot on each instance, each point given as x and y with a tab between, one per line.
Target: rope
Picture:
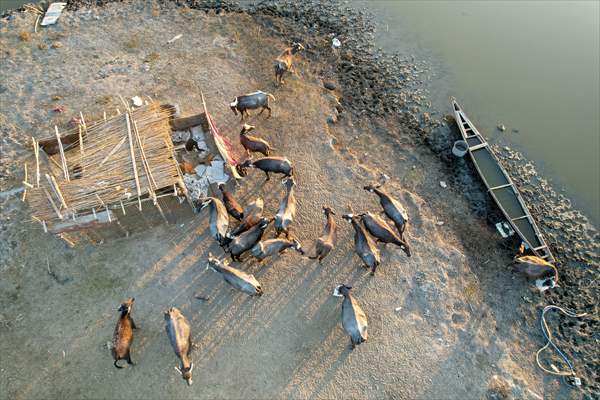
548	336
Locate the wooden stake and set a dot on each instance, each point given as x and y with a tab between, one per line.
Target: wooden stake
108	214
62	154
132	153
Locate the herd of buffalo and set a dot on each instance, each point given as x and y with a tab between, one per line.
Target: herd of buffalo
246	239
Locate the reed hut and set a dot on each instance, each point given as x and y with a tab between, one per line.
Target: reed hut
109	177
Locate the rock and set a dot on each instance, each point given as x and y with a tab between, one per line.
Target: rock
57	45
329	85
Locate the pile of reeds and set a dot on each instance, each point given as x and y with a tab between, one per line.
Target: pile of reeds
115	161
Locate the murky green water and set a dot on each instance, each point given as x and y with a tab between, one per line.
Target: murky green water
532	66
10	4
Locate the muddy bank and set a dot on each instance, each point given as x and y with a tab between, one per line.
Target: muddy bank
451	319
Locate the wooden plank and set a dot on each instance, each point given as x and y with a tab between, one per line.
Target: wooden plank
479	146
51	147
522	217
97	220
183	123
502	186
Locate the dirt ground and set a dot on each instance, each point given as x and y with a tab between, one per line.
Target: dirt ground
445	323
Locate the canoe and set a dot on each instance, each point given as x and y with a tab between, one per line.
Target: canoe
500	186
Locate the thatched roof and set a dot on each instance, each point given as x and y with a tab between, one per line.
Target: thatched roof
120	160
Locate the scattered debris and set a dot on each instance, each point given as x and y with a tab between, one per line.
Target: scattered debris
202	298
383	178
152	57
197	186
174	38
25	36
53	13
137	101
501	127
504	229
59	109
56	45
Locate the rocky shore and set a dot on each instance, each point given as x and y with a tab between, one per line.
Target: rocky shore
383	91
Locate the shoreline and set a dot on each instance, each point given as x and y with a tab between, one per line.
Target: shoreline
385	88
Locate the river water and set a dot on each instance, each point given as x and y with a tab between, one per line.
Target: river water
533	66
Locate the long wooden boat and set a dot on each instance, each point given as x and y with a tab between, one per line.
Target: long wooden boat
500	186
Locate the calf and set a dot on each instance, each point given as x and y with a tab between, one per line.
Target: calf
251	101
283	63
253	143
327	241
123	335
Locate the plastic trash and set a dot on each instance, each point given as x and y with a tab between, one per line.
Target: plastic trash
53	13
335	43
174	38
137	101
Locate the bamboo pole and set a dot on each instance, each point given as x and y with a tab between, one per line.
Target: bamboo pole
62	154
81	141
113	151
148	171
135	174
52	204
67	238
36	151
56	189
26	184
144	159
